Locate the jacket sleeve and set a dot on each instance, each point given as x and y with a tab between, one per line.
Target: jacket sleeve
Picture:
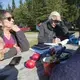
22	41
64	28
41	36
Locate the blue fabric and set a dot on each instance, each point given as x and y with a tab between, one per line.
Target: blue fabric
56	48
73	40
8	73
41	51
70	70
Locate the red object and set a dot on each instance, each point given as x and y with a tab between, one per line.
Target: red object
35	56
25	29
48	68
30	64
8	46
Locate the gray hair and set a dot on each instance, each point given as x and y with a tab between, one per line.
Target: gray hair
53	14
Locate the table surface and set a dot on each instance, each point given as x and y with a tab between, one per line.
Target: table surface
25	73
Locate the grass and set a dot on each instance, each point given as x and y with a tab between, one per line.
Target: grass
32	40
31	32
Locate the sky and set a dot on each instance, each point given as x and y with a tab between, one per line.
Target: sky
6	2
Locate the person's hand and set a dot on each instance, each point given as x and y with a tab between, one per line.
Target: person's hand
56	40
1	55
17	48
5	50
15	28
2	52
1	43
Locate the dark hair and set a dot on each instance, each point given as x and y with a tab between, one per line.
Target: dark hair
2	14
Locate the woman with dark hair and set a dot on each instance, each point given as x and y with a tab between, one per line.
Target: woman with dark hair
14	39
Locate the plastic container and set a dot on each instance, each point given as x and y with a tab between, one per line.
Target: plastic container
48	65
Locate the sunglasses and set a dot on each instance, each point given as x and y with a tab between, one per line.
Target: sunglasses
9	18
55	21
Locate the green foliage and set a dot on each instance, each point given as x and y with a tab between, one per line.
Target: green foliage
33	12
73	13
39	10
21	2
0	5
13	5
9	8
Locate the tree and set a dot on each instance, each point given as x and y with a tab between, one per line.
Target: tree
1	5
21	15
73	12
34	11
39	10
13	5
9	8
20	2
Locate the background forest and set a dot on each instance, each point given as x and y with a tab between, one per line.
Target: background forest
32	12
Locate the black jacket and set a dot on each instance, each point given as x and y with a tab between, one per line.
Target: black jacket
47	32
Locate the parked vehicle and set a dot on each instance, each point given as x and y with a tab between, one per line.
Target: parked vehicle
25	29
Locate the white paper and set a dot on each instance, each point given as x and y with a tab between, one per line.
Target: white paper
64	42
52	44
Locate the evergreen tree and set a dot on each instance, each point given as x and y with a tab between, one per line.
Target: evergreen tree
0	5
9	8
73	12
34	11
20	2
13	5
39	10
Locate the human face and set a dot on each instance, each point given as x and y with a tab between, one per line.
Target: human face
8	20
53	23
55	20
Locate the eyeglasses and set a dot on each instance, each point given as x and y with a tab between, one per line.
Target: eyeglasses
9	18
0	26
55	21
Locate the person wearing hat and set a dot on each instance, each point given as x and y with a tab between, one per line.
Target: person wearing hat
53	30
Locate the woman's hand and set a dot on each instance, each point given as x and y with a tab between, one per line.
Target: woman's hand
56	40
17	48
1	43
15	28
2	52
